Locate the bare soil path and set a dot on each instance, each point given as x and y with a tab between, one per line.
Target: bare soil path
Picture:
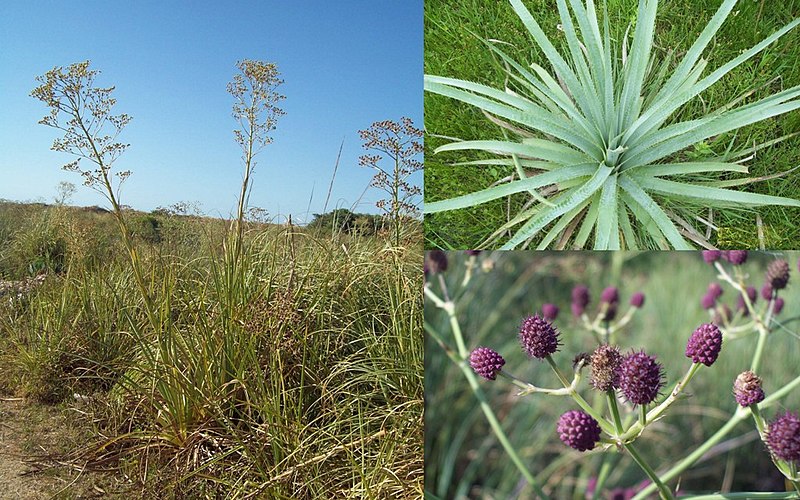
18	477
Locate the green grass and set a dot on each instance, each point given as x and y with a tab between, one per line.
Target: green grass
293	370
451	50
464	457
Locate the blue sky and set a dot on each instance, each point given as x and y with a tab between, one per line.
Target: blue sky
345	64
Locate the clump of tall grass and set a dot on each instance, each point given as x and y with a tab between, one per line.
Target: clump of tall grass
274	363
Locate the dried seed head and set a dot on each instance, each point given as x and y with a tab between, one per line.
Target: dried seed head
539	338
747	389
783	437
778	274
578	430
486	362
640	377
605	368
704	344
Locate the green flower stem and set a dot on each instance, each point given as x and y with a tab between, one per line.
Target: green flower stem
607	427
461	360
642	416
663	490
609	461
757	355
723	431
656	412
528	388
612	405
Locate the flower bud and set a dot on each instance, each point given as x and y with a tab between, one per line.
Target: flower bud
578	430
711	256
610	295
715	290
437	261
777	307
580	295
735	257
637	300
783	437
708	301
550	311
704	344
486	362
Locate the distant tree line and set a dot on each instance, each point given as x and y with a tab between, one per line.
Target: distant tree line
346	221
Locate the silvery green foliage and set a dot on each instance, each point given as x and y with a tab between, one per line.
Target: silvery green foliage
596	130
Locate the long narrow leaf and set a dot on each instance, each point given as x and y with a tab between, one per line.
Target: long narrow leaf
493	193
654	211
607	224
707	194
545	150
567	202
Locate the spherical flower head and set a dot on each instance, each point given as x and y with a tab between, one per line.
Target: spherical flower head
778	274
605	368
578	430
539	338
580	295
747	389
777	307
711	256
704	344
640	377
766	291
708	301
437	261
783	437
715	290
637	300
752	294
610	295
735	257
550	311
486	362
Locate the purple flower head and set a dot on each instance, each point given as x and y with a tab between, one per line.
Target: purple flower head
711	255
715	290
473	253
704	344
577	309
539	338
437	261
605	367
778	274
777	307
783	437
640	377
752	294
578	430
747	389
735	257
766	291
486	362
610	295
580	295
708	301
637	300
550	311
